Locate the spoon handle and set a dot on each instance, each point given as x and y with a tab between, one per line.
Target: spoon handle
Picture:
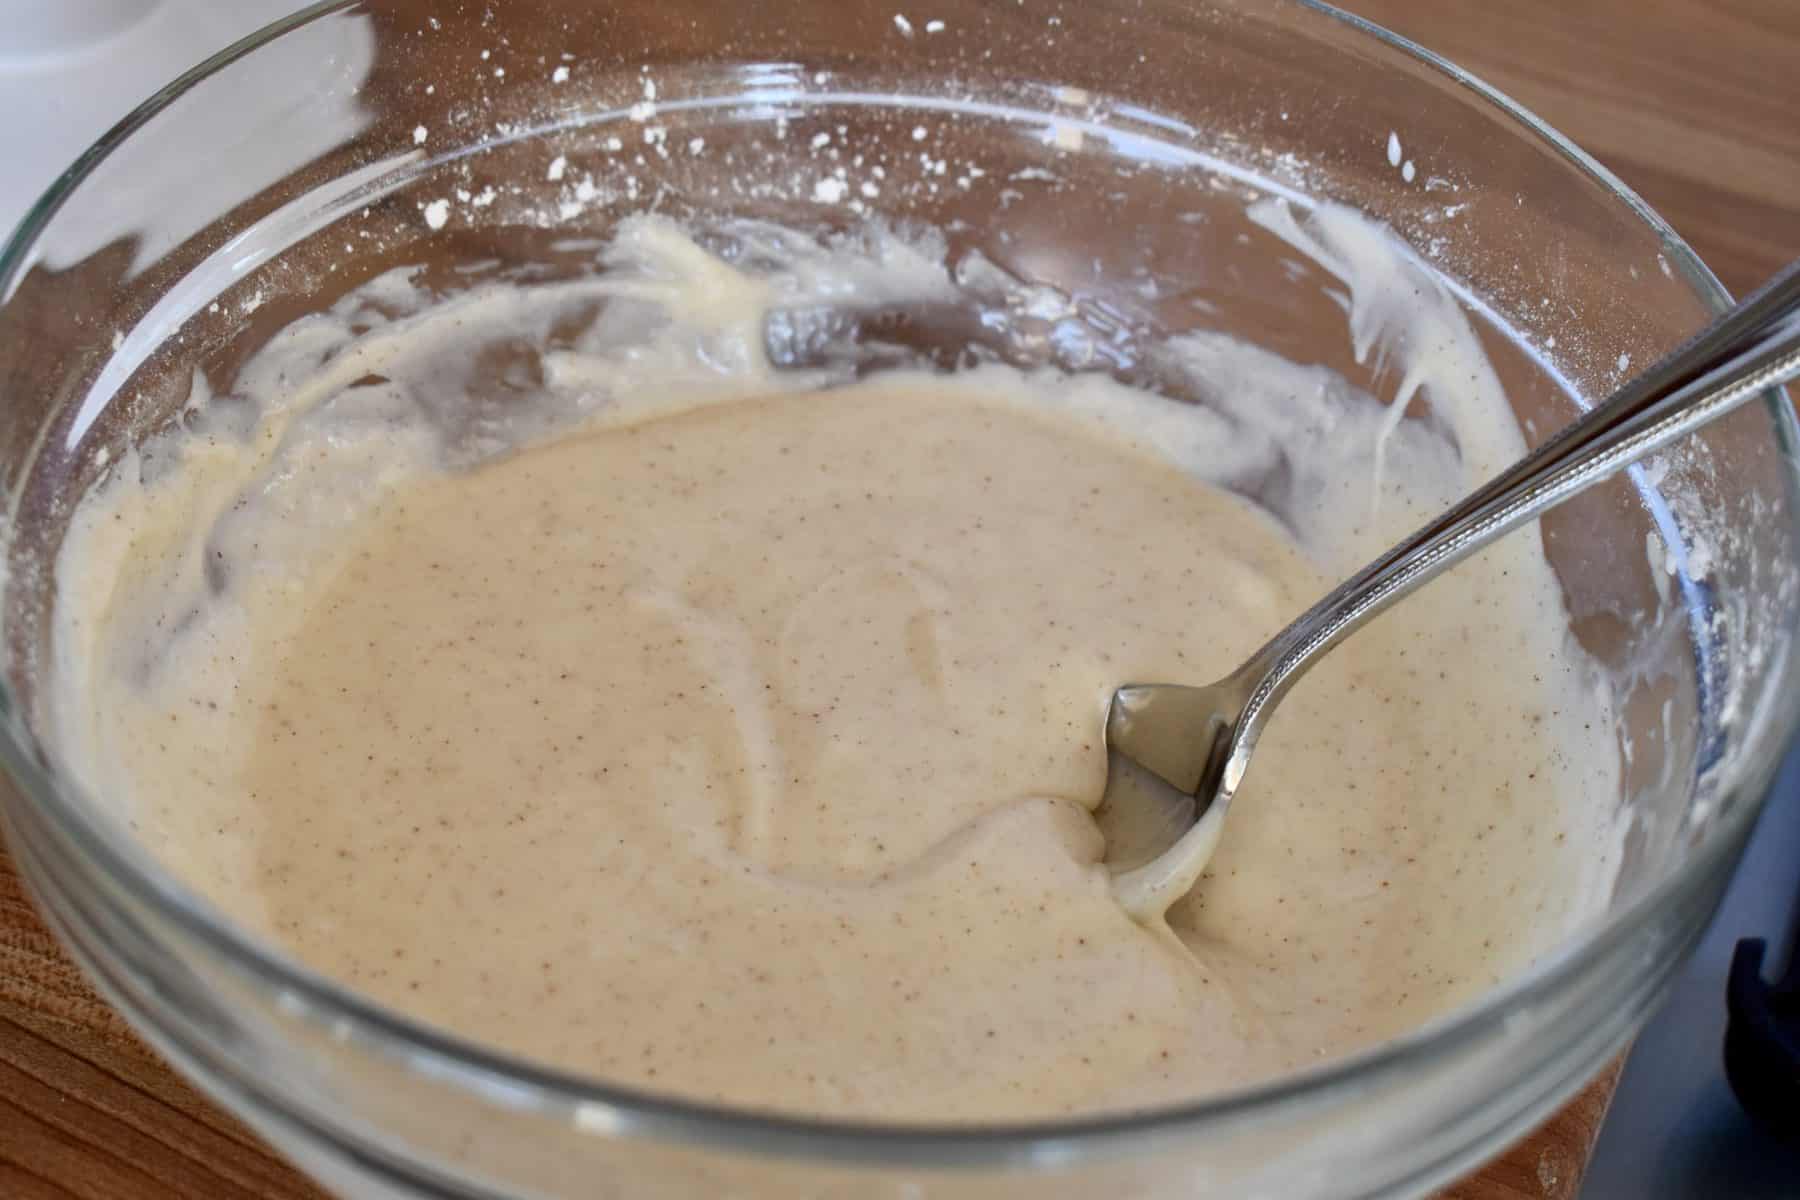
1751	348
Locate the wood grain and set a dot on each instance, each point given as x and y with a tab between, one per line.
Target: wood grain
1692	103
1695	104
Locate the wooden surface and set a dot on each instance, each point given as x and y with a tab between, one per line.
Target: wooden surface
1693	104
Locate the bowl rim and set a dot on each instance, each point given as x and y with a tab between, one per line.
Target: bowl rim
498	1077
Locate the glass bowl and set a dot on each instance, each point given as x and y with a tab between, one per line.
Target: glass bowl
1088	147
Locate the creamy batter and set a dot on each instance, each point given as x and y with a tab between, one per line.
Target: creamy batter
732	732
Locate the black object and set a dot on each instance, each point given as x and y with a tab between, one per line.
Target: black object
1762	1039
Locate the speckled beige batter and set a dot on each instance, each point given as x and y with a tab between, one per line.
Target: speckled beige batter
741	745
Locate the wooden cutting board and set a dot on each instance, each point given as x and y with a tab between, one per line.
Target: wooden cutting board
1693	102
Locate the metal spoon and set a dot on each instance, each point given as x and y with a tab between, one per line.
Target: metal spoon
1176	755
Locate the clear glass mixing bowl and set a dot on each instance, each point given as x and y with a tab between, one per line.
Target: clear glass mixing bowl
1089	146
